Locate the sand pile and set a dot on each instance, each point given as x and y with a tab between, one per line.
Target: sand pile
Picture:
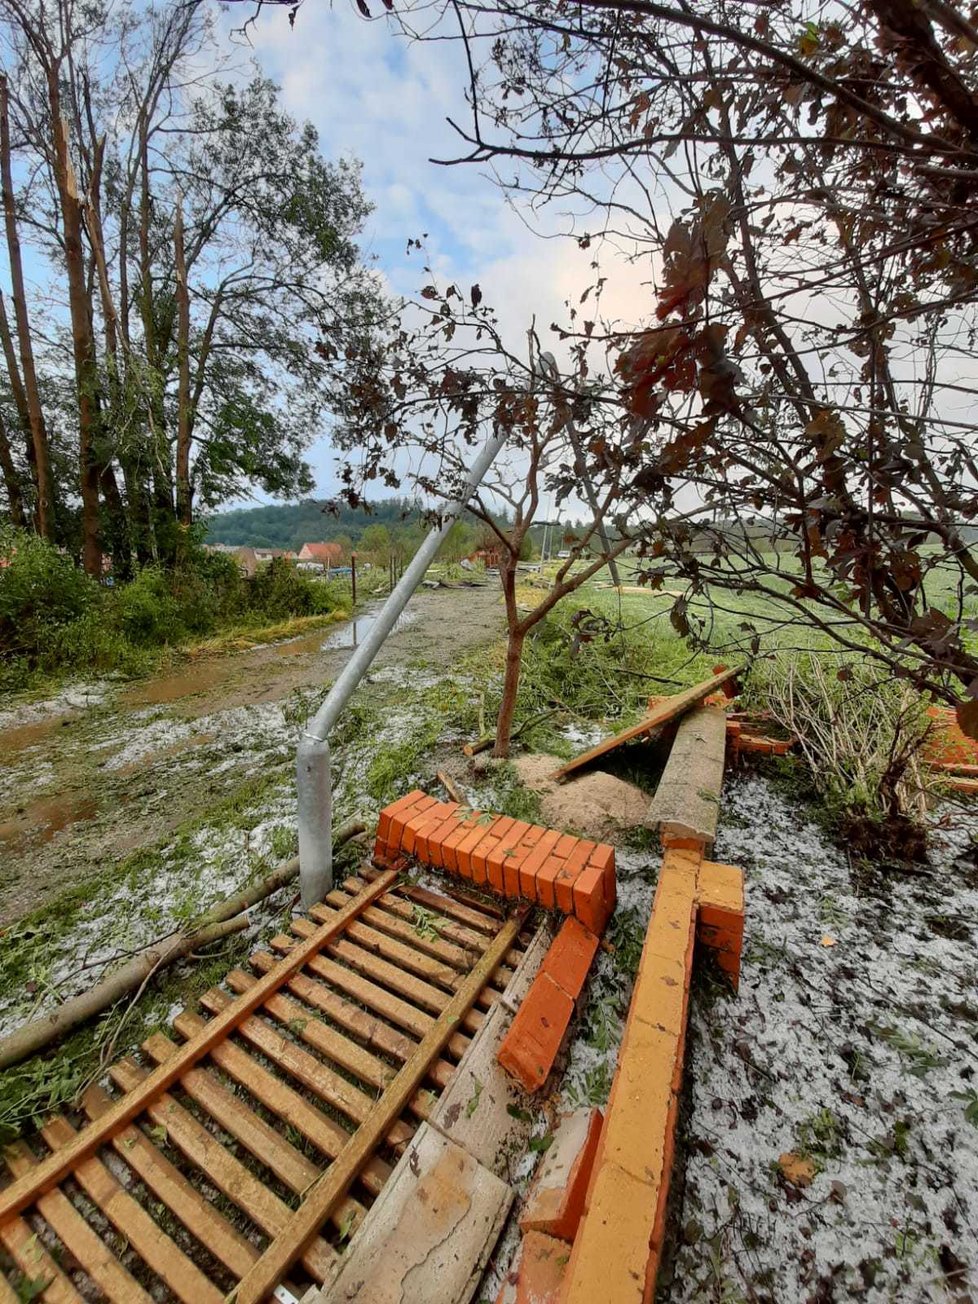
595	805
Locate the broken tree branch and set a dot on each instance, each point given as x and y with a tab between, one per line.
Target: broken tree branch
219	921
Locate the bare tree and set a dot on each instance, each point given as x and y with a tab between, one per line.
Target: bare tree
416	404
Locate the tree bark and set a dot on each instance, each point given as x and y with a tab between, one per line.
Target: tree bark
11	482
184	497
82	335
514	656
27	378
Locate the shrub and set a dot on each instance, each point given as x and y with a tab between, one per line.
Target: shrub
145	611
41	589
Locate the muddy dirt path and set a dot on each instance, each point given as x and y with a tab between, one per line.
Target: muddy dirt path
107	769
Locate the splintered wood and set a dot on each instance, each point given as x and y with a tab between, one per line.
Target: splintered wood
243	1151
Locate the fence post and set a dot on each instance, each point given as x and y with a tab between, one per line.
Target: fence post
353	576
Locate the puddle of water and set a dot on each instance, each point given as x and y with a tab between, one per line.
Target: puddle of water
22	736
39	821
355	631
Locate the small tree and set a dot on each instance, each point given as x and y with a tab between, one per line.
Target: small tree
443	381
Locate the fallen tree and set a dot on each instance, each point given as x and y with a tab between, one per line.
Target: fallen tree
227	917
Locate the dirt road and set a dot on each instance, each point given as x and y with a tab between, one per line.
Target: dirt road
106	769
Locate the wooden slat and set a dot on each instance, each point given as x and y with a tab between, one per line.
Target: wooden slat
670	708
405	930
305	1023
416	990
228	1174
28	1252
328	1085
375	998
322	1039
369	1029
258	1137
7	1293
52	1170
467	938
169	1185
78	1238
279	1256
131	1220
362	1024
324	1132
445	905
399	952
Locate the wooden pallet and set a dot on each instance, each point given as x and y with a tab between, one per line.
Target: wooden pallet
240	1154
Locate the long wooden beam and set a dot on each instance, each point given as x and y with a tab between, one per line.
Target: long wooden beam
22	1193
668	709
279	1256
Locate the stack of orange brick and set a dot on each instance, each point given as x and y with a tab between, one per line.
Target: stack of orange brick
531	1045
616	1253
552	1212
950	750
503	855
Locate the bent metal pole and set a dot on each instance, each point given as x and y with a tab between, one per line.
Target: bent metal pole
312	759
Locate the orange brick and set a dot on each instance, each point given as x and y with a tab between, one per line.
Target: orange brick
534	862
603	856
590	905
682	844
450	844
430	829
570	957
418	821
530	1047
397	819
661	995
556	1200
610	1255
511	866
579	854
564	888
545	883
463	851
436	841
565	846
480	856
538	1272
496	863
402	803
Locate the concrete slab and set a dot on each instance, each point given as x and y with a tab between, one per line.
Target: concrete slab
483	1109
430	1233
528	967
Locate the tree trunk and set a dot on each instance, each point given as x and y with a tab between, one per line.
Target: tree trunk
511	683
184	503
41	461
514	655
117	532
82	336
11	482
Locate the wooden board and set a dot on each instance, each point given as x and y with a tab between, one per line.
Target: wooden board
291	1093
670	708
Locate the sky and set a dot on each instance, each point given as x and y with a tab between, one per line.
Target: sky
374	96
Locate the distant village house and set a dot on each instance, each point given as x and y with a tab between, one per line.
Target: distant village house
320	556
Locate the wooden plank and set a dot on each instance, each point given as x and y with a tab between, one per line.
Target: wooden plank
389	973
670	708
373	1032
305	1068
367	1027
52	1170
469	939
375	998
258	1137
228	1174
162	1255
409	932
445	905
78	1238
399	951
420	993
169	1185
279	1256
7	1293
322	1039
28	1252
306	1024
324	1132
